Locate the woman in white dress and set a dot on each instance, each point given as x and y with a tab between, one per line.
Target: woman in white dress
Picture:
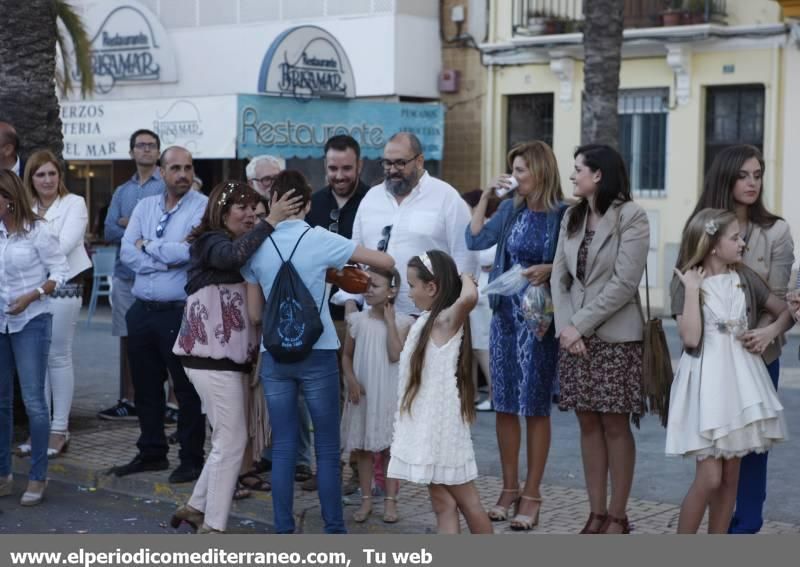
723	405
67	218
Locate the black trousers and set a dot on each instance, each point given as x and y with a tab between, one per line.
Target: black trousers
152	330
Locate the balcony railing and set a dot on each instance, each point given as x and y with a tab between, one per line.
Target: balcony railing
545	17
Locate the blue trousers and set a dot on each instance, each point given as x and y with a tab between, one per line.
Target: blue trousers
26	351
752	492
318	378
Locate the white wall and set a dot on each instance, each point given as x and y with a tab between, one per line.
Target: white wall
392	54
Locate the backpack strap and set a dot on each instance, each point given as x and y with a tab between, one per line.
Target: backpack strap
296	244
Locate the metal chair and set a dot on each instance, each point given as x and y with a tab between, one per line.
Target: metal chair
104	258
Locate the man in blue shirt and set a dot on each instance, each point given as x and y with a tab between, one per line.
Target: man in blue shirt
154	247
146	182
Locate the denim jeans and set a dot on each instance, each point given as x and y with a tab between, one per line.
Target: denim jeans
303	435
26	351
318	378
752	491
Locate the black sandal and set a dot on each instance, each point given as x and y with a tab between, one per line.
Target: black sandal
302	473
252	481
241	492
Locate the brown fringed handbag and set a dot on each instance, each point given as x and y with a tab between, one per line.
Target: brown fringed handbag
656	363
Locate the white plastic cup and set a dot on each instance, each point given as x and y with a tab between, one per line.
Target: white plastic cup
503	191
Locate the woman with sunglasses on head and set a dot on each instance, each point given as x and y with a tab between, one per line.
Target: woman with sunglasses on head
67	217
216	343
734	182
32	266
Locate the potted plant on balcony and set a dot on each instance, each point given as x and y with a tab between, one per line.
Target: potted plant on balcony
697	11
536	22
673	11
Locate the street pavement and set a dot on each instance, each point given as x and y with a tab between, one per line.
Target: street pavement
659	486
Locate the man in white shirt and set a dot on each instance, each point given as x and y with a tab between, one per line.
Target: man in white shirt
412	212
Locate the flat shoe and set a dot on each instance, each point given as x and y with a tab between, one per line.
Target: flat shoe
6	485
24	449
253	481
360	517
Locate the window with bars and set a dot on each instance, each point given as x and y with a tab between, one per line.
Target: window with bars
734	115
530	117
643	139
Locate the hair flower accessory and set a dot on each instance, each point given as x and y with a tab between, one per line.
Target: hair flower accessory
711	228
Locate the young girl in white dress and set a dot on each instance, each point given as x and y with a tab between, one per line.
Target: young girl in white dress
372	348
432	443
723	404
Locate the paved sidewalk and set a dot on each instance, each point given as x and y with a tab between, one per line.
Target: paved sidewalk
95	449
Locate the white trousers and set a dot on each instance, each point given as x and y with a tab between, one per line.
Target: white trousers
59	385
222	394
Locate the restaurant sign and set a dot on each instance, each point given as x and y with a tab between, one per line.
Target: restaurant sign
128	45
289	128
307	62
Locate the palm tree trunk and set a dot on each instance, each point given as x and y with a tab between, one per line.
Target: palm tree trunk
27	74
602	45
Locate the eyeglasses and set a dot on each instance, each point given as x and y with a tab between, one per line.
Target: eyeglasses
145	146
267	180
388	164
334	216
386	233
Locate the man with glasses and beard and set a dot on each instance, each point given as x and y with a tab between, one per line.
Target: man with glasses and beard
412	212
154	247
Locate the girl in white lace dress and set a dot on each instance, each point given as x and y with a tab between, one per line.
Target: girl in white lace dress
372	348
432	443
723	404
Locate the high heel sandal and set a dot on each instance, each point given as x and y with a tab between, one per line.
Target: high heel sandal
359	516
601	518
31	496
622	522
189	515
499	513
389	518
55	452
522	522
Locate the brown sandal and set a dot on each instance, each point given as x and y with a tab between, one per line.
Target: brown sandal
602	518
626	527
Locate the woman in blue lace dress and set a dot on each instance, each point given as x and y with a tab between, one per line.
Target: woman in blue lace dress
525	229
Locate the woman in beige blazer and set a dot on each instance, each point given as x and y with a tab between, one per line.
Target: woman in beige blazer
602	251
734	183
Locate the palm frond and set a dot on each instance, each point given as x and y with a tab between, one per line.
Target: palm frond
79	38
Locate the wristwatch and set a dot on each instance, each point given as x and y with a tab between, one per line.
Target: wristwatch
41	291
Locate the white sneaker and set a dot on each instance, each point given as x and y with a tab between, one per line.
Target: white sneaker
485	405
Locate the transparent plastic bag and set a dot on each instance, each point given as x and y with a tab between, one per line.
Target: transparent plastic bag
510	282
537	308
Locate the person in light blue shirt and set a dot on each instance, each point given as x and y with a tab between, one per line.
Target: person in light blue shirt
318	374
145	146
155	248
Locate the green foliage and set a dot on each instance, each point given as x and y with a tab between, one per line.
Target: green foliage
79	38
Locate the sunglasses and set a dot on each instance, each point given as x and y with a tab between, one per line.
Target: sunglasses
162	223
334	217
386	233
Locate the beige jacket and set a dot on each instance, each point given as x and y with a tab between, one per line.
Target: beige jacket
607	302
770	254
